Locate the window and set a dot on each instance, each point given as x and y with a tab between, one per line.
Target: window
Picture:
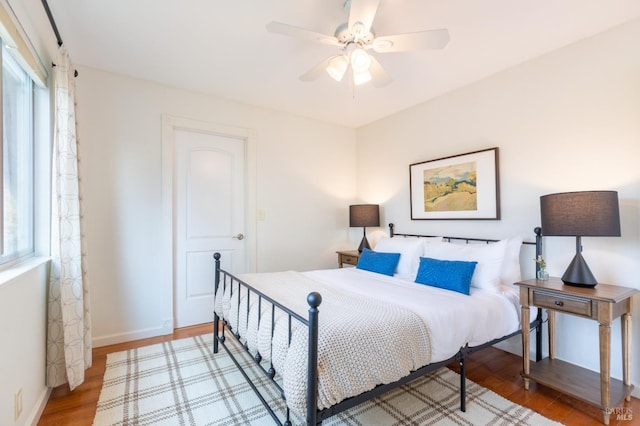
17	160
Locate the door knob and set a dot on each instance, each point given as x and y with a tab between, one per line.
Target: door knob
240	236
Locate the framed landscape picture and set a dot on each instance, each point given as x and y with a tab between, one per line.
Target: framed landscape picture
462	186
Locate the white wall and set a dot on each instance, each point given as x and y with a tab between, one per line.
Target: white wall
569	120
305	181
22	359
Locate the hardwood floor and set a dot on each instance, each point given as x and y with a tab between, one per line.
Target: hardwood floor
499	371
78	408
492	368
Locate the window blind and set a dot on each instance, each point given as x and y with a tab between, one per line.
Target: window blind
19	45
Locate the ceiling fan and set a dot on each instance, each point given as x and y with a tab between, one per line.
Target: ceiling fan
354	38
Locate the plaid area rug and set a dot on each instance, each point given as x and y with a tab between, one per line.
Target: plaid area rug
182	383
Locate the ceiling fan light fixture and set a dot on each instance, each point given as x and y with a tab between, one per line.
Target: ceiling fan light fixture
337	67
361	77
358	30
355	38
360	60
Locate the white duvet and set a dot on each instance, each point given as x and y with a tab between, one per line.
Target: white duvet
373	328
454	319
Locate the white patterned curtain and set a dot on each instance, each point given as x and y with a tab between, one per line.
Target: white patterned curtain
69	323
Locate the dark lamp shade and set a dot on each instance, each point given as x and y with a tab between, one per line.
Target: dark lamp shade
363	215
585	214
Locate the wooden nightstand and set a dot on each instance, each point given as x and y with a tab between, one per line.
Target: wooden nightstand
602	303
348	257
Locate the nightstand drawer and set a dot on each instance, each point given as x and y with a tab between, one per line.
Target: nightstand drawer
349	259
562	303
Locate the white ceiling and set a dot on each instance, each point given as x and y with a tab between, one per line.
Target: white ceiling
223	49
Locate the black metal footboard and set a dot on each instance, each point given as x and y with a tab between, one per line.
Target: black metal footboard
314	300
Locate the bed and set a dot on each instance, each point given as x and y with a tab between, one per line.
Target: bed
412	305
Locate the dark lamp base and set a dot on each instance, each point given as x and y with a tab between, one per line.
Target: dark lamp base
364	244
579	285
578	273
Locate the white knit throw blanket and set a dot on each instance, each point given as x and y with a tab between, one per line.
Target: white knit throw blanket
362	342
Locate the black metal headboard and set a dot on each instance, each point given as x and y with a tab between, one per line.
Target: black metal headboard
467	240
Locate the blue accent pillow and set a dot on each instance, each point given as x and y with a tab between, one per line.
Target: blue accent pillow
382	263
452	275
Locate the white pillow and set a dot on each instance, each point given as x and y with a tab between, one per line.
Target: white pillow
511	271
489	257
410	249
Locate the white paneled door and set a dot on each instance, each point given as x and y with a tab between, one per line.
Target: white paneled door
209	206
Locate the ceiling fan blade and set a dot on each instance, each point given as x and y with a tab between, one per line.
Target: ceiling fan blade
316	71
297	32
363	11
431	39
379	77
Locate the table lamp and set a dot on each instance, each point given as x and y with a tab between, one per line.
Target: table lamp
364	215
580	214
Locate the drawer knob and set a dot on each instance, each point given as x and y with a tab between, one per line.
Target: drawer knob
559	303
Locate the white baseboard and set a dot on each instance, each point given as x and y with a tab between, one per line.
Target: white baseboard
112	339
38	407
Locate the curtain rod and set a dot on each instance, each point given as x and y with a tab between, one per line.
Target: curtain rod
52	21
55	29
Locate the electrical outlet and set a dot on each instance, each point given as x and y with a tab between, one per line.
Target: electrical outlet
17	403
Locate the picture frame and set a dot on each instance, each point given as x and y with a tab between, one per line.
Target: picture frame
459	187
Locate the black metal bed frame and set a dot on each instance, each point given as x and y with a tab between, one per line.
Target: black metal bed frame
313	415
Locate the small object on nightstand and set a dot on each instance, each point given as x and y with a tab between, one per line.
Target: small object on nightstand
603	303
348	257
542	274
